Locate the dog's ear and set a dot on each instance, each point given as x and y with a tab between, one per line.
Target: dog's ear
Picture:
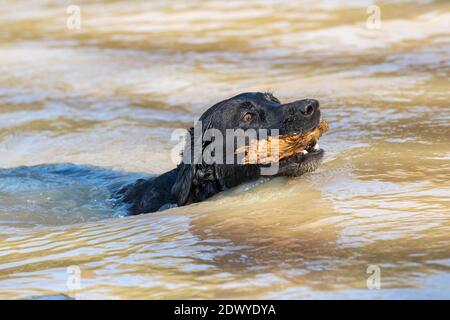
195	183
181	190
196	180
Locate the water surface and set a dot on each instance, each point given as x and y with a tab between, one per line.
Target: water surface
107	97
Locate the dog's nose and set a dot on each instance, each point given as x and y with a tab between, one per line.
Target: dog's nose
308	107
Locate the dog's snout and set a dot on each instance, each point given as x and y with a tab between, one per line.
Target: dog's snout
309	106
300	116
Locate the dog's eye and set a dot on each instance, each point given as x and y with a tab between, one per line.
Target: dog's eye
247	117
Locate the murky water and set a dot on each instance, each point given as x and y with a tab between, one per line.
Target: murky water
106	98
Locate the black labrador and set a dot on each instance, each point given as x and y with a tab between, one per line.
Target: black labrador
193	181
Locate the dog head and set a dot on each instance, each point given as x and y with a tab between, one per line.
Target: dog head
205	171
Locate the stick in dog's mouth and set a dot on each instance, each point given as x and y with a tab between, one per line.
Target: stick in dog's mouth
274	149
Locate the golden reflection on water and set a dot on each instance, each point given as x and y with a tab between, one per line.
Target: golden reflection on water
111	93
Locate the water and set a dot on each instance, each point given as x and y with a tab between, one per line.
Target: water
87	110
